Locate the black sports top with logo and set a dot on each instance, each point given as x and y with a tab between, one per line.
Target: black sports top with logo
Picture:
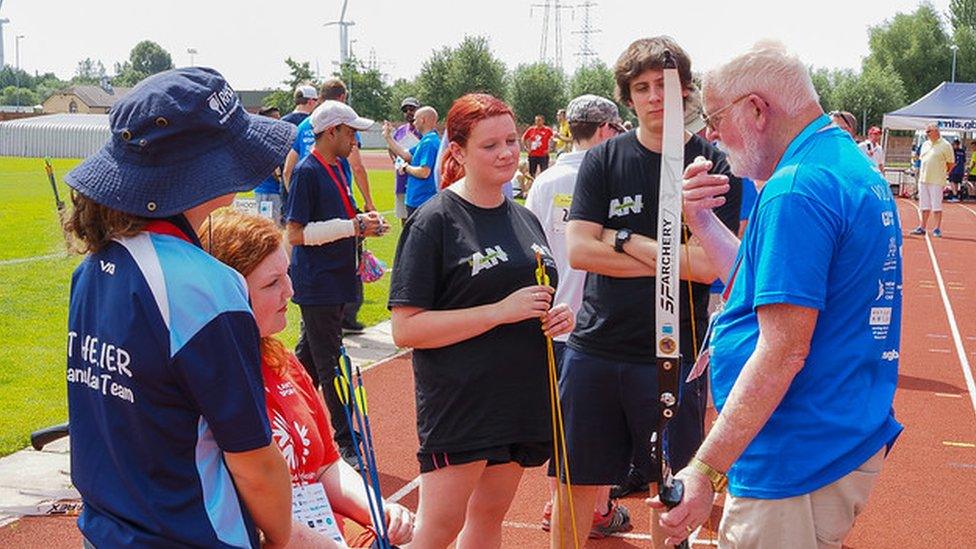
492	389
617	187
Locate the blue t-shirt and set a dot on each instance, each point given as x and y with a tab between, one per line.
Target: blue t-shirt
960	162
424	155
825	235
305	142
270	185
325	274
164	376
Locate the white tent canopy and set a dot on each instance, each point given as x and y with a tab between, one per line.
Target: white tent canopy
951	105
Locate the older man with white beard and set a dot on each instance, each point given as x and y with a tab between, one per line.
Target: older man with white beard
804	356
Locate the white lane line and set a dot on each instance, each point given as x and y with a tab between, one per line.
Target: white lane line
19	260
403	492
953	329
970	210
692	540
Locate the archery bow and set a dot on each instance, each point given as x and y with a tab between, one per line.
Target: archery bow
667	281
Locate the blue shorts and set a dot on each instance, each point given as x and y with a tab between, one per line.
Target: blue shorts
610	410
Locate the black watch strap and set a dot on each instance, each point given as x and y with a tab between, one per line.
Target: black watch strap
623	235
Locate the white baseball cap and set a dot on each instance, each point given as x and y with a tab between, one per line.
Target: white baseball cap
334	113
308	92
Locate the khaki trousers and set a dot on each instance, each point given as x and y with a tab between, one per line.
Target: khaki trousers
818	520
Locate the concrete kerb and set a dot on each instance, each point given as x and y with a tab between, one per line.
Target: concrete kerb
31	481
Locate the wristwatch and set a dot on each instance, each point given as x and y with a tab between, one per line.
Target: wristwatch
717	478
623	235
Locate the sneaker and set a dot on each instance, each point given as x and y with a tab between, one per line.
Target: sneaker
918	230
616	520
634	483
937	233
354	327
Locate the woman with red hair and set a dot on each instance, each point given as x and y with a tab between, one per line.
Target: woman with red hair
253	246
464	296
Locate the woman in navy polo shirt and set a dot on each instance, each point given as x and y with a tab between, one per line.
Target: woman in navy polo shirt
464	296
170	443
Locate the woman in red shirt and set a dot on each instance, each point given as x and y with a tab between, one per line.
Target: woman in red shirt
252	245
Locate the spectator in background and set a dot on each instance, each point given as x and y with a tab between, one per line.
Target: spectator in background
871	147
969	188
845	121
563	134
536	141
306	99
956	173
352	166
267	195
421	184
406	135
522	181
937	160
323	229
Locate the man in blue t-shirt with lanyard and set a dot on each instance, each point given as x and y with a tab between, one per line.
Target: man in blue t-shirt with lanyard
323	228
805	354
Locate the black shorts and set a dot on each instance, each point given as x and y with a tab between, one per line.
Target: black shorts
610	411
955	178
526	454
537	164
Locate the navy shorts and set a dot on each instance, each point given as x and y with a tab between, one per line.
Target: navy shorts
610	410
526	454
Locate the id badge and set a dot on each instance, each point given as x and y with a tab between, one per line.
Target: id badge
311	506
701	361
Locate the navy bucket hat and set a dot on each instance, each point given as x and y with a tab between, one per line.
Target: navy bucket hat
179	139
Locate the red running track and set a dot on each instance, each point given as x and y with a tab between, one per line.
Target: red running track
924	497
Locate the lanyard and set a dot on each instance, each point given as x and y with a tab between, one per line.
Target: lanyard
340	183
728	287
165	227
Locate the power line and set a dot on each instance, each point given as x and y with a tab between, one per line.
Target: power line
586	54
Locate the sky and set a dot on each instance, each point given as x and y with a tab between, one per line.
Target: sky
248	40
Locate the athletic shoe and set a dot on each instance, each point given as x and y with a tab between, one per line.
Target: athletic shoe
937	233
918	230
354	327
634	483
616	520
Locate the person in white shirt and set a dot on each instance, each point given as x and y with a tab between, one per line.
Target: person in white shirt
592	120
871	147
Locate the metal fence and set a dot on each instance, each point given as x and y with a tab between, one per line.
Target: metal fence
54	135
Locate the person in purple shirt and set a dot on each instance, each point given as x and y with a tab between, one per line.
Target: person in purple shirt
406	135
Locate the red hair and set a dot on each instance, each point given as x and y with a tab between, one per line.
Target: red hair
467	110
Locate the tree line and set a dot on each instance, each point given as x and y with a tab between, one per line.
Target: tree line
909	54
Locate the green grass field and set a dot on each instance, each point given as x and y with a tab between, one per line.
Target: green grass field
35	273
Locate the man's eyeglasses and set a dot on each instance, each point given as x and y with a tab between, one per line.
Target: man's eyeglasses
617	127
712	121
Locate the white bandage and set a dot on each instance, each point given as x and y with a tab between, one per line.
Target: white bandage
323	232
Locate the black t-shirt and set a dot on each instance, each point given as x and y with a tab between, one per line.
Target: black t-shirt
492	389
618	187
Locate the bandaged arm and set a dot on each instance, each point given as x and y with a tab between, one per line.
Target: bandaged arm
317	233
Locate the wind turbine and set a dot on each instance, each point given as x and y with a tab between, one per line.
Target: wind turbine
3	22
343	33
